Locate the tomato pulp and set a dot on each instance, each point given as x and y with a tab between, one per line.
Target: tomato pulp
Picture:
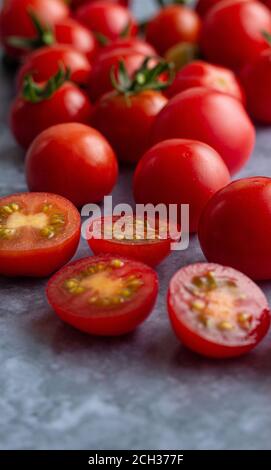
216	311
105	295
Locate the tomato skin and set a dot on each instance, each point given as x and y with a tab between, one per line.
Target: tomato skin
212	117
78	3
72	160
72	33
107	18
105	323
15	21
195	340
172	25
131	44
203	74
165	172
100	80
41	262
44	63
238	23
235	227
68	104
204	6
126	122
256	78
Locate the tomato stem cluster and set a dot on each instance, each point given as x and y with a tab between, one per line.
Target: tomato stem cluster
36	93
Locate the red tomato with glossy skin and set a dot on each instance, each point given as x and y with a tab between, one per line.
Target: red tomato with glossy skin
44	63
235	227
232	33
78	3
108	19
72	160
256	79
212	117
216	311
15	20
203	74
39	233
172	25
74	34
28	119
179	172
104	295
130	44
204	6
126	121
139	238
100	81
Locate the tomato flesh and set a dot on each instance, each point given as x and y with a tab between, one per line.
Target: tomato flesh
216	311
132	237
105	295
39	233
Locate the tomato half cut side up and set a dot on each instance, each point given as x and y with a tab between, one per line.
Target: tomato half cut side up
139	238
104	295
216	311
39	233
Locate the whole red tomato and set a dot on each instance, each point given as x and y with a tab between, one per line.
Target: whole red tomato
172	25
72	160
204	6
203	74
256	78
38	107
180	171
125	116
100	78
211	117
107	19
235	228
15	19
44	63
232	33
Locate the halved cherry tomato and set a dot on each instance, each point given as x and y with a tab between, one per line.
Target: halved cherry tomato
179	172
105	295
45	62
131	44
235	227
39	233
40	107
212	117
232	33
16	22
216	311
100	81
72	160
203	74
172	25
133	237
107	19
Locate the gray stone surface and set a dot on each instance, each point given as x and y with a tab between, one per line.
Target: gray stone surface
60	389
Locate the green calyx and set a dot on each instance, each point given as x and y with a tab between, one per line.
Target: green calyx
145	78
35	93
44	36
164	3
267	37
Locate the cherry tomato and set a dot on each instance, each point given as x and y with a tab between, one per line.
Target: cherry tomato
104	295
232	33
209	116
100	79
16	22
108	19
38	108
202	74
39	233
78	3
204	6
216	311
130	44
235	227
74	34
256	78
45	62
172	25
72	160
133	237
180	172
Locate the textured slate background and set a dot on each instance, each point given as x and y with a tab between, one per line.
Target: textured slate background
60	389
